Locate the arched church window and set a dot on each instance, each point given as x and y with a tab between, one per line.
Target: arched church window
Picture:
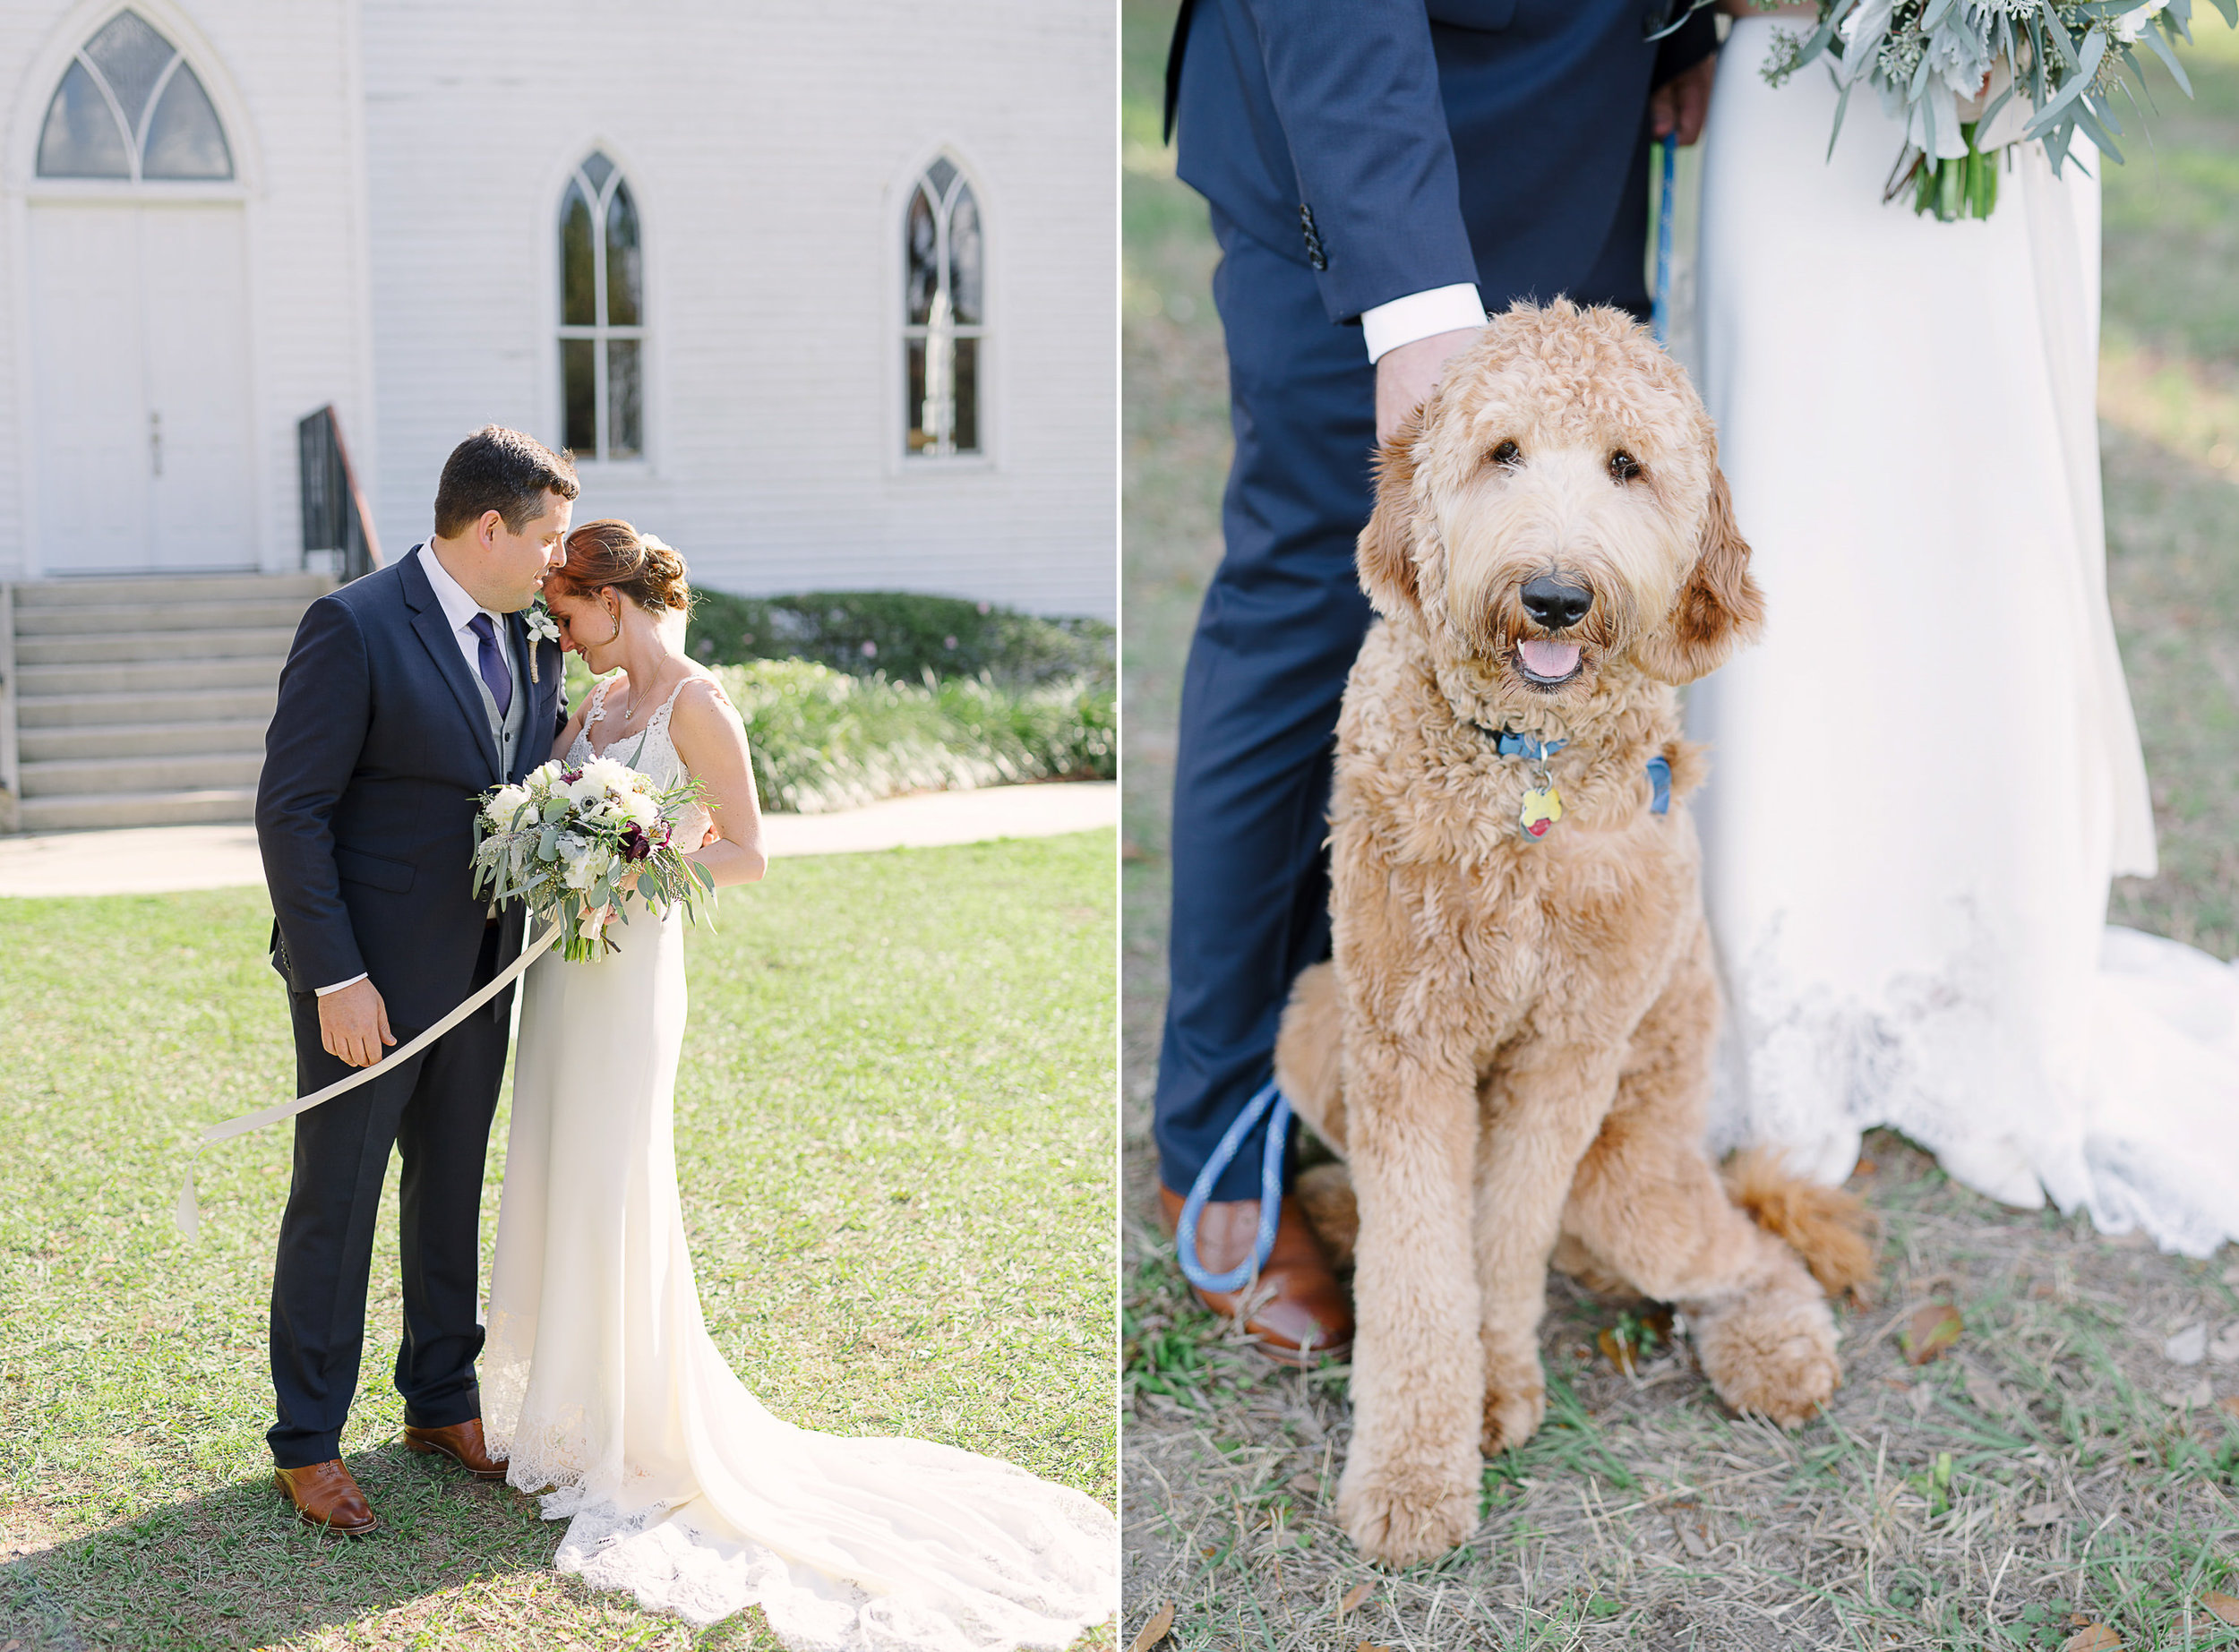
131	108
944	313
602	315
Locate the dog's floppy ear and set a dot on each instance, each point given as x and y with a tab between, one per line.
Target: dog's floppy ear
1718	608
1385	553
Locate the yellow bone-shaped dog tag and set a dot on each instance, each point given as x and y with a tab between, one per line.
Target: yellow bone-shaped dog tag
1542	808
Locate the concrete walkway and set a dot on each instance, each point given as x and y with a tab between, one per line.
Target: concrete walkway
158	859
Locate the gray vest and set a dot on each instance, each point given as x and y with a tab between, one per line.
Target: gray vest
508	728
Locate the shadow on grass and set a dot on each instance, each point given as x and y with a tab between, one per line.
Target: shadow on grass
236	1568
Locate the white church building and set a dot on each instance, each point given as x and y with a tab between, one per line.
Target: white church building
823	294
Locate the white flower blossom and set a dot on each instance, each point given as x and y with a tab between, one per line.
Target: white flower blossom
2131	23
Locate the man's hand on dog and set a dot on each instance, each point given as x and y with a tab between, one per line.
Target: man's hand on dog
1407	374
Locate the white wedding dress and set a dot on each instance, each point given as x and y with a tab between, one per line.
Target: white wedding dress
601	1383
1924	777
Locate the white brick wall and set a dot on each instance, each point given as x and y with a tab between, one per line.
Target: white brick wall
770	147
408	158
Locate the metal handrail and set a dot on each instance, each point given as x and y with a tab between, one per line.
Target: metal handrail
335	516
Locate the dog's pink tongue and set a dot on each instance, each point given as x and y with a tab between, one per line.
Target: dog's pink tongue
1548	659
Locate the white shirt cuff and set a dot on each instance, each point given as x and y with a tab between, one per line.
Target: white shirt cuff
1440	309
322	991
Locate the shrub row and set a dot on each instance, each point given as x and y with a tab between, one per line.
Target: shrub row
900	635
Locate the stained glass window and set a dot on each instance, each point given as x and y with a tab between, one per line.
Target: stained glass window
602	315
130	106
944	315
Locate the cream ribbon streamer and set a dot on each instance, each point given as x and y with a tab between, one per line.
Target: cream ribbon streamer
189	1218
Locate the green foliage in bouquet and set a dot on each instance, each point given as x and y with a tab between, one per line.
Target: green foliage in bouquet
1933	61
901	634
576	843
824	740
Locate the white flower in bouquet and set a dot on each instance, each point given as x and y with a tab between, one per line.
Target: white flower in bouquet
579	844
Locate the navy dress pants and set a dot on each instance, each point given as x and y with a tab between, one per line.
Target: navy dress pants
1281	622
435	1108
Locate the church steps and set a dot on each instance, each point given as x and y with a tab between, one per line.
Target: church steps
259	643
199	806
141	739
140	702
222	704
169	771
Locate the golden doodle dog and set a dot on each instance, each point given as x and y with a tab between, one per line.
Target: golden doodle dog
1511	1048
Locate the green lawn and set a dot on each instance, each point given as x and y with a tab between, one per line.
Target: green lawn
895	1137
2082	1478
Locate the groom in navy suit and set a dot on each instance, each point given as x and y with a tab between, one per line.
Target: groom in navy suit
407	694
1381	174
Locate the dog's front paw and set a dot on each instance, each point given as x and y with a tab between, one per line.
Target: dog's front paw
1772	1352
1515	1400
1404	1516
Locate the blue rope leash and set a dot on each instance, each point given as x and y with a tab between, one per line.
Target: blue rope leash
1661	315
1275	1106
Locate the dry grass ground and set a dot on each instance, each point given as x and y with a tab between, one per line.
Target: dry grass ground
2056	1468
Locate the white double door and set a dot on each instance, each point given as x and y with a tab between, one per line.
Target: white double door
141	379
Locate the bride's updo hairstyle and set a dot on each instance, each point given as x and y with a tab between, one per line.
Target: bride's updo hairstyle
611	552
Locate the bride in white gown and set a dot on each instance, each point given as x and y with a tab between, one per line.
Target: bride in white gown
600	1382
1925	776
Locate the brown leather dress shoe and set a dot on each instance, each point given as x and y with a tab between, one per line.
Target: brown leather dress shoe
462	1443
1307	1315
325	1494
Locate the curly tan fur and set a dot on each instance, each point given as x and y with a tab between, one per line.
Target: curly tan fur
1830	1229
1513	1044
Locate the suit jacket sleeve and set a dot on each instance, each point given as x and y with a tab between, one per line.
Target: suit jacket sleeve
1686	47
310	752
1355	85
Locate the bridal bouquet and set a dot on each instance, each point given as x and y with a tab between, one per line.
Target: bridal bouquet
573	842
1950	69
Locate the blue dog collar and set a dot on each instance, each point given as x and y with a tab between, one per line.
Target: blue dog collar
1511	743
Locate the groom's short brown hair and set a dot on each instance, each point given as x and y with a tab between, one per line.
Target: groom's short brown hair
501	470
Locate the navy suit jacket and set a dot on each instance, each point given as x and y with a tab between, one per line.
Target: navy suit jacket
1400	145
364	812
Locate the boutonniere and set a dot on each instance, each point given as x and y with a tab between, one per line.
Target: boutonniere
541	628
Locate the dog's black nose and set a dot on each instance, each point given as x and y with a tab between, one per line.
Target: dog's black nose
1555	603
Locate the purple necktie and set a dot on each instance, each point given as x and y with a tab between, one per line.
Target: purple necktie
493	672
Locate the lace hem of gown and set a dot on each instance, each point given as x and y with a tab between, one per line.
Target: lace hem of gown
2131	1105
1047	1572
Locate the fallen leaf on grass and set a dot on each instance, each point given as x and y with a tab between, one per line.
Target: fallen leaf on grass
2225	1350
1306	1484
2042	1514
1931	1330
2189	1347
2093	1638
1354	1596
1370	1646
2199	1396
1983	1389
2229	1404
1618	1351
2222	1605
1156	1630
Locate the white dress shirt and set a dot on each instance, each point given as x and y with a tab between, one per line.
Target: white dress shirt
461	610
1441	309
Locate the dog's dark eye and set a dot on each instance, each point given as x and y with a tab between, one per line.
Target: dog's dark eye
1507	453
1623	466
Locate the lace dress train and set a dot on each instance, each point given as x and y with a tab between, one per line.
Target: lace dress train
602	1385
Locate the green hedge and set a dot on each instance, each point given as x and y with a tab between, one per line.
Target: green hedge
824	739
899	635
